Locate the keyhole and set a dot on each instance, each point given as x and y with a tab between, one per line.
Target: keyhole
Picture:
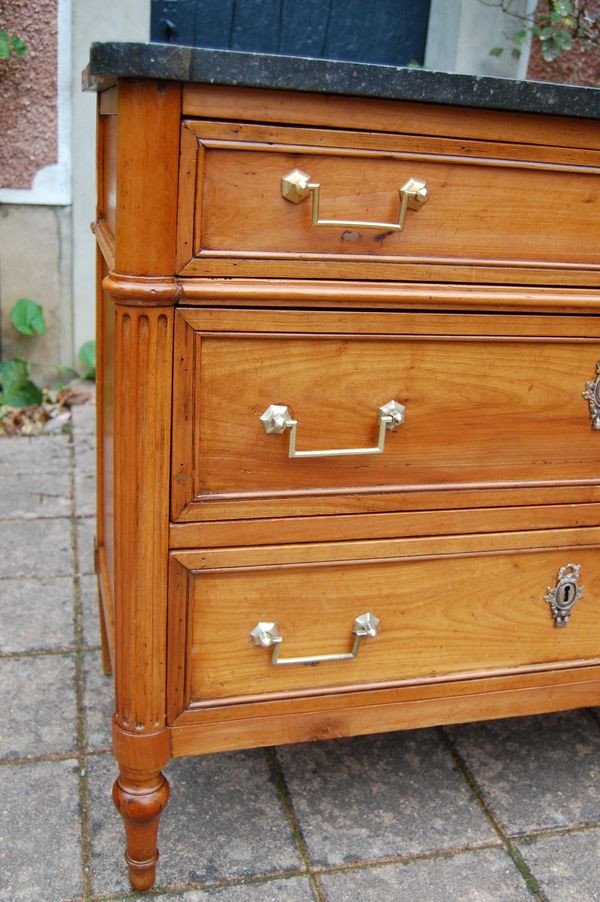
566	595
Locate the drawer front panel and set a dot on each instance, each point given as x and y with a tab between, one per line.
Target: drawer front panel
479	411
488	206
439	615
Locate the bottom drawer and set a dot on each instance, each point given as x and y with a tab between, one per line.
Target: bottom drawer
460	605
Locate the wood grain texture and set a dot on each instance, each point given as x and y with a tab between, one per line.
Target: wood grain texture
107	172
341	527
240	213
404	117
202	737
143	362
147	175
270	266
390	549
481	317
479	409
439	615
140	799
329	299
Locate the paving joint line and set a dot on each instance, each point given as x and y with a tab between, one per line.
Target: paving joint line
549	832
36	517
517	859
66	652
158	891
38	579
38	759
290	813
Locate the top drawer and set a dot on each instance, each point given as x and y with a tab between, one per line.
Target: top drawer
495	212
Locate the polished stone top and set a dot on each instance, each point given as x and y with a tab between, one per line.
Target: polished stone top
262	70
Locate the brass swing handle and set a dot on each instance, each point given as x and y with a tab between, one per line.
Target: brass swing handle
267	635
277	418
296	186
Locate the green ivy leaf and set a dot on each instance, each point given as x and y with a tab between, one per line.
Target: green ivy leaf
18	45
564	40
550	50
28	317
496	51
4	45
562	7
516	53
16	388
11	43
87	356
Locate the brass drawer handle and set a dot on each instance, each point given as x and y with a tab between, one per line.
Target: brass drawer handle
278	417
296	186
267	635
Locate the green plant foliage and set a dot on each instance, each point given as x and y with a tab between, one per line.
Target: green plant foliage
16	388
555	24
28	317
87	356
11	43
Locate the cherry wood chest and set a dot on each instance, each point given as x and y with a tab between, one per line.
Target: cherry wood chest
348	404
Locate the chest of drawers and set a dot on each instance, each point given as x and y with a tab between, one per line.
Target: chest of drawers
348	404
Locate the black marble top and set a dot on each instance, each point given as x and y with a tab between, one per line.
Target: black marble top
261	70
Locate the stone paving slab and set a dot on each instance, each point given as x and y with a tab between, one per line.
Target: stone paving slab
37	700
89	602
36	548
295	889
83	416
39	832
40	494
482	876
567	866
85	475
86	530
36	614
85	493
223	821
23	456
98	702
376	796
535	772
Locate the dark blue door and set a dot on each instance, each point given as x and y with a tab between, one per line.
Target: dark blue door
369	31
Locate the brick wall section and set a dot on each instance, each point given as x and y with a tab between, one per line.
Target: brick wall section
28	92
579	66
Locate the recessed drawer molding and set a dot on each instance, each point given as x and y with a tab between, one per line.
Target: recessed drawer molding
472	411
273	201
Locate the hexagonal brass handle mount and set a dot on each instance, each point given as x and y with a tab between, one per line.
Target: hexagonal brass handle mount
266	634
278	417
297	186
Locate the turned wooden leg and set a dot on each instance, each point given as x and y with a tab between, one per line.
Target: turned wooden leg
140	799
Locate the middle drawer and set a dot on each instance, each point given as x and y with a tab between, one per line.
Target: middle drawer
368	409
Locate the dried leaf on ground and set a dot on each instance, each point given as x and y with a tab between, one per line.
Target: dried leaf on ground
52	415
